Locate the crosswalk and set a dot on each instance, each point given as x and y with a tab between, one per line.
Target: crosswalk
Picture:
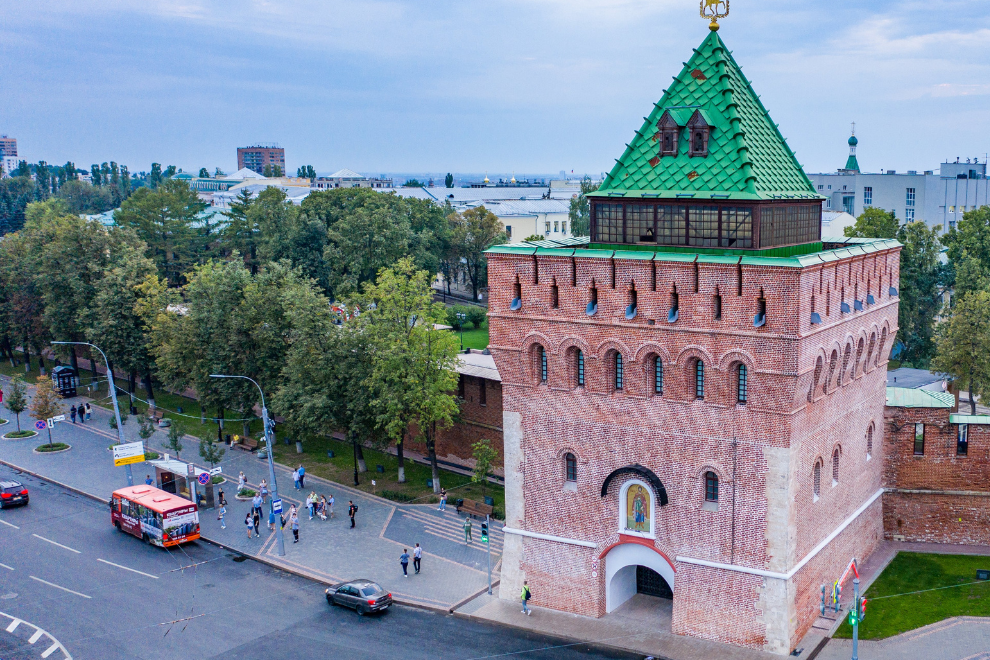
451	527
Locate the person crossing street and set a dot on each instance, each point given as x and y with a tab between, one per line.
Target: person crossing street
525	596
352	511
467	530
404	560
417	557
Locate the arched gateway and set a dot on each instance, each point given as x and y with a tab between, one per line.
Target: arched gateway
625	577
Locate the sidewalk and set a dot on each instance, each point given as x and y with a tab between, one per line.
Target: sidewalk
327	551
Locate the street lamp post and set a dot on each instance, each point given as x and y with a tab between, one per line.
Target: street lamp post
271	462
461	316
113	397
354	441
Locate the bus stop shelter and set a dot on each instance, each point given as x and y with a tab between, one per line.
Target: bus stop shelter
175	476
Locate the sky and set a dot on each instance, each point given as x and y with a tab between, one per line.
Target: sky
468	86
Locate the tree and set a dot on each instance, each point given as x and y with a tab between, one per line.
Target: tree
533	237
370	238
123	419
81	197
218	173
413	363
174	438
970	235
580	211
166	220
969	276
153	179
146	427
473	232
210	452
484	460
204	173
267	171
874	223
448	181
15	194
413	183
16	399
921	282
46	402
963	345
285	233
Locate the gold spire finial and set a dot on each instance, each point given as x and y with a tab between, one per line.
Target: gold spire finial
710	10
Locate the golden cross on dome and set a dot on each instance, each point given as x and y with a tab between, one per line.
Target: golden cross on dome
714	10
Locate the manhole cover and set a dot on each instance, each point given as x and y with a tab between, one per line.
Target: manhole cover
9	596
240	558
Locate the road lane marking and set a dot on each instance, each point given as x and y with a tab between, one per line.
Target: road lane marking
51	584
13	625
56	543
9	524
9	568
51	649
154	577
36	636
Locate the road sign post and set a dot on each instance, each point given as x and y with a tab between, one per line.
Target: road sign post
41	425
856	614
277	505
132	452
484	537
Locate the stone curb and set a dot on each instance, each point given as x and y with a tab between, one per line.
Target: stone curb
53	451
462	603
273	564
27	437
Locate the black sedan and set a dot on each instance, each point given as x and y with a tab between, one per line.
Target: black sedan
12	493
362	595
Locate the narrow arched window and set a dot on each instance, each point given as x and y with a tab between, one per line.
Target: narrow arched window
618	371
869	440
657	375
742	384
835	466
699	379
570	467
543	363
580	368
711	487
818	479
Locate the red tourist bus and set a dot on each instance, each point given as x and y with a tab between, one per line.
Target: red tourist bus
160	518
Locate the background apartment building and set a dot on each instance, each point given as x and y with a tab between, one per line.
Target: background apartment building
256	157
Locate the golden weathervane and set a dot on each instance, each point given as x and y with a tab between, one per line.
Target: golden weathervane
714	9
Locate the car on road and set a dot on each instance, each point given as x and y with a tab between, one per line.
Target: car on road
13	493
364	596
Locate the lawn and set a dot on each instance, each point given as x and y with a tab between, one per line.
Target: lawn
913	572
340	468
476	337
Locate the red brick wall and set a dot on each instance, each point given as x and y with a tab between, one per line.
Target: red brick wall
779	434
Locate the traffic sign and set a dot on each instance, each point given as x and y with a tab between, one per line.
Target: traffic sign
58	418
132	452
203	478
50	422
215	471
277	506
41	425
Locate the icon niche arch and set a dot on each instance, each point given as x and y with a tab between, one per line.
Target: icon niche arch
637	499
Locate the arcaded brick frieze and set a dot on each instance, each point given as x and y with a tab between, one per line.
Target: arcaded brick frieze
812	391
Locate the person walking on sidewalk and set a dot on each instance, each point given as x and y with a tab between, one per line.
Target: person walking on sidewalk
256	504
443	500
72	413
257	521
264	491
295	478
417	557
271	519
330	505
241	483
351	511
404	560
249	521
223	512
295	528
221	497
525	596
82	414
302	477
467	530
89	412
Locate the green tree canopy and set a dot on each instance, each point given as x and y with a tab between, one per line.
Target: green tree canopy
874	223
963	345
473	232
921	280
580	211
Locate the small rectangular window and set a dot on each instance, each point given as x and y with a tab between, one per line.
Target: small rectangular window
580	369
711	487
699	379
554	296
556	226
919	439
909	197
618	371
962	440
868	196
482	392
909	214
717	305
657	376
548	226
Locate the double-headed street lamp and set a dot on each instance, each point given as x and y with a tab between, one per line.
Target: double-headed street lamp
461	317
113	397
271	463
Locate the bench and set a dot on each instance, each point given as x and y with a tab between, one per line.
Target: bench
245	443
473	508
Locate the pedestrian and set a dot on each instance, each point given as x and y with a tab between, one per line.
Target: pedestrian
271	519
525	596
311	504
467	530
256	504
330	504
72	413
223	512
404	560
89	412
322	507
82	414
302	477
352	511
295	529
249	521
221	497
295	478
417	557
241	483
148	480
257	521
443	500
264	491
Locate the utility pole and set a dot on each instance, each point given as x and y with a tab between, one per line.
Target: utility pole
357	482
485	534
461	317
113	397
271	461
856	616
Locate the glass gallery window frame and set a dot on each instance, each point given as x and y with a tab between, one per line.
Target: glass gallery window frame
676	225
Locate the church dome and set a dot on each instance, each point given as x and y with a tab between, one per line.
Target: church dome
853	141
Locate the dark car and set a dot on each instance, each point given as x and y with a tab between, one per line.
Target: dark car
12	493
362	595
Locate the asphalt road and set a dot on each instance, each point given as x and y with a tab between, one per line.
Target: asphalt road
72	586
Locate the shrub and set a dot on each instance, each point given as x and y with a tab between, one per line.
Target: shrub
396	496
55	446
477	315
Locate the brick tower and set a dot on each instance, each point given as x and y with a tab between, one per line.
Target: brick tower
691	395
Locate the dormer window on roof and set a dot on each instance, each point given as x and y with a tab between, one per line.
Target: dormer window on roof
699	129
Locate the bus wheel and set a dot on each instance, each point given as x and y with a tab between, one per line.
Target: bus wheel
117	525
145	538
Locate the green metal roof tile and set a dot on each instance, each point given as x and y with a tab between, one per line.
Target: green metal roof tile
594	254
675	256
511	249
906	397
634	254
771	261
717	259
555	252
969	419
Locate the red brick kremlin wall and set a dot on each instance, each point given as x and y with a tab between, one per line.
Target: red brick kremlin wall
779	434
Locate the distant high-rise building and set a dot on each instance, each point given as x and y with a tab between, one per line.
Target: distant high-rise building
8	146
257	156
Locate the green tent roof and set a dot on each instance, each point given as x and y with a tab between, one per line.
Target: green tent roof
747	156
906	397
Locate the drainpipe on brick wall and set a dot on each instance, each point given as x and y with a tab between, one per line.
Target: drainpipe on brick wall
732	547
